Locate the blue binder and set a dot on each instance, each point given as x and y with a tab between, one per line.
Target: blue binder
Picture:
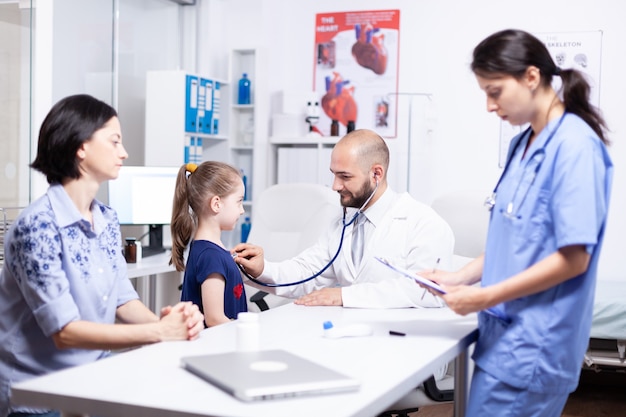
216	108
205	116
191	105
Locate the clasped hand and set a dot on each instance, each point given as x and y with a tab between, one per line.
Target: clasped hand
182	321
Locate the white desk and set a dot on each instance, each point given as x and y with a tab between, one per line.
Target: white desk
150	267
150	382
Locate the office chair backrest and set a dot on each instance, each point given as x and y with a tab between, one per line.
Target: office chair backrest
288	218
468	218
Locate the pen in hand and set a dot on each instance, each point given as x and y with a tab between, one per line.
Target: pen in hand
436	265
434	269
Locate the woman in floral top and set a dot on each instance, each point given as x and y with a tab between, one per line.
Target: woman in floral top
65	297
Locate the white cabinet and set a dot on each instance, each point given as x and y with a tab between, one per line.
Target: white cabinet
303	159
185	117
195	118
248	125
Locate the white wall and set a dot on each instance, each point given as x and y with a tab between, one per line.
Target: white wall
436	42
73	53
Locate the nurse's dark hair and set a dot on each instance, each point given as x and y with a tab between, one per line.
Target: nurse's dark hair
71	122
511	52
196	185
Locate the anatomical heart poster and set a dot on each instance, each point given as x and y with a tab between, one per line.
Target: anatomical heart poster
356	69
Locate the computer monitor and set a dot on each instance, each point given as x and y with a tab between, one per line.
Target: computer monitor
143	196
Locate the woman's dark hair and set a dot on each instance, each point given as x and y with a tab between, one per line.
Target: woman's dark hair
511	52
71	122
191	199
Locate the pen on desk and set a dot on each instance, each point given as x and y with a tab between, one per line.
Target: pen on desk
434	269
394	333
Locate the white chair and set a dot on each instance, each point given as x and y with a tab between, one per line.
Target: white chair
469	218
465	213
286	219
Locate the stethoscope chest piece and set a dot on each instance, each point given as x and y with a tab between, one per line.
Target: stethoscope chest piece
490	201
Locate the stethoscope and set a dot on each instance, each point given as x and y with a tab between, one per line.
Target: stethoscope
537	158
343	232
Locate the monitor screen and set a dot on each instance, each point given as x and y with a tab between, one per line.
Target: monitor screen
144	196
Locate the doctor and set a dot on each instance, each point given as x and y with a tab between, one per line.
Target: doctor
395	226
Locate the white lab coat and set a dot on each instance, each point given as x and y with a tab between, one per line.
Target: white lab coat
409	234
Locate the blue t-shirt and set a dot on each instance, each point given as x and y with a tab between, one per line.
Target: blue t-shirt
58	269
206	258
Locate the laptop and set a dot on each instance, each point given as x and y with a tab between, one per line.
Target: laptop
267	374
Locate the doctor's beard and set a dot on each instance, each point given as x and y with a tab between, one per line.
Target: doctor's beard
349	199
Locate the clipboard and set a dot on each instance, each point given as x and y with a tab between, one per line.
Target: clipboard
434	285
419	279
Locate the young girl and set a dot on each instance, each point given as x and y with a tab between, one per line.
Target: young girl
214	193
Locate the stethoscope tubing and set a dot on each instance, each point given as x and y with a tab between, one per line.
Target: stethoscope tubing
321	271
490	201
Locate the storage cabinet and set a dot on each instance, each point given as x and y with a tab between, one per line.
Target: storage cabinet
195	118
302	160
183	118
249	124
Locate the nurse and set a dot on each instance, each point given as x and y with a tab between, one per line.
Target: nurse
548	217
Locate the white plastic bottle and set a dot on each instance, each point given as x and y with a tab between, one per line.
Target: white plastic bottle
248	332
139	252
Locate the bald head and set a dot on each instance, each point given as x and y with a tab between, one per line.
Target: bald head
359	164
365	147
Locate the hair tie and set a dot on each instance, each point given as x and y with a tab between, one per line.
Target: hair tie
558	71
191	167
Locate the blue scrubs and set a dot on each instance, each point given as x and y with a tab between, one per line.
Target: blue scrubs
556	196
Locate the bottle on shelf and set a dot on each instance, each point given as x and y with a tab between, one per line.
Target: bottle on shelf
245	229
350	126
244	178
334	128
243	96
247	132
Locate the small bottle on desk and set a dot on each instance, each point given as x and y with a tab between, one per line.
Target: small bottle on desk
139	252
248	332
130	251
